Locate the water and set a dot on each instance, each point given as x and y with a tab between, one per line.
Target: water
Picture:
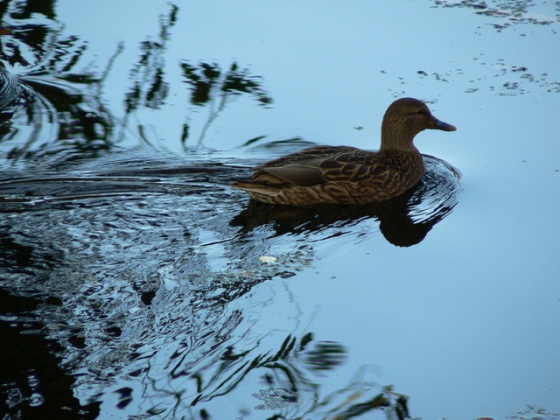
135	282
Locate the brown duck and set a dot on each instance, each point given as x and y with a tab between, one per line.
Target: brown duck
347	175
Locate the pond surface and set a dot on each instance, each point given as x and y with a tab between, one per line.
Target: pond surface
135	283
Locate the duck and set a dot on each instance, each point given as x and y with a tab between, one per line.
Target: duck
345	174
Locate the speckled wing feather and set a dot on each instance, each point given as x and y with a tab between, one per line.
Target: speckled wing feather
318	165
315	152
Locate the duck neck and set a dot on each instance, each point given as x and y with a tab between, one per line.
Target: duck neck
395	137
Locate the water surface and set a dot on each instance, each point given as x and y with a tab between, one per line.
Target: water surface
135	283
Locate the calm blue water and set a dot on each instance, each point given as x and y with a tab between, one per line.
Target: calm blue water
134	282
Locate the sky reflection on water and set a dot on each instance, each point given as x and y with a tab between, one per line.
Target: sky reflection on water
464	323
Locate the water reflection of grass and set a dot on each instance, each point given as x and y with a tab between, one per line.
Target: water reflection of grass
69	117
212	87
290	393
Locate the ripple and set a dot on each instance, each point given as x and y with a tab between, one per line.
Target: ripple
99	241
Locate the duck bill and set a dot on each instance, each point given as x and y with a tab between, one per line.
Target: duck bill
436	124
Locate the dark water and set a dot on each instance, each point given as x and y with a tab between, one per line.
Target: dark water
135	283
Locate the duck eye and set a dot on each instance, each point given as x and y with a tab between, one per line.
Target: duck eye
421	112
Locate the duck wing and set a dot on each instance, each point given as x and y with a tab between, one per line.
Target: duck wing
322	164
315	152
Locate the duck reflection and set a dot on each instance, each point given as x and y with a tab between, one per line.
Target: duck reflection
404	221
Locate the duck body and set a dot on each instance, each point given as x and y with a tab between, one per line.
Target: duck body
334	174
347	175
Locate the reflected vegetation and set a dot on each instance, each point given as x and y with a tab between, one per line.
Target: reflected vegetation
290	393
59	111
212	87
150	88
31	24
55	110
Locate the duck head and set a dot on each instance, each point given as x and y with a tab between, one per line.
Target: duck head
405	118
